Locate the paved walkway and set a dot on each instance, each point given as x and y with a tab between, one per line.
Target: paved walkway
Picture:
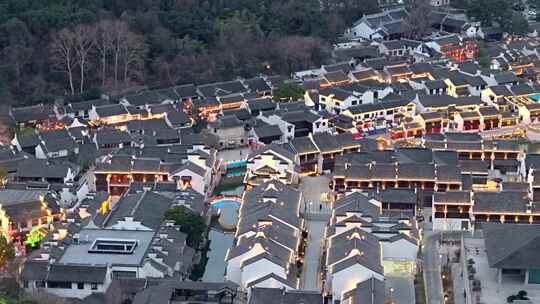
317	215
458	283
403	289
432	269
312	188
312	258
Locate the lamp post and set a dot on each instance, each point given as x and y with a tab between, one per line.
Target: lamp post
391	289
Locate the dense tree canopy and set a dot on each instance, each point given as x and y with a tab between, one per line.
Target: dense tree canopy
7	253
506	13
190	223
289	91
177	41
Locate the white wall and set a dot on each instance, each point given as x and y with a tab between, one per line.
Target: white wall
401	250
348	278
272	283
234	273
147	271
129	224
323	125
92	114
475	91
259	269
283	125
361	30
524	114
15	142
271	160
197	182
440	224
40	154
79	293
486	95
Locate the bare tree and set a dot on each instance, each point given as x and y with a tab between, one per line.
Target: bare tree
84	41
418	20
63	54
297	51
133	52
104	43
119	31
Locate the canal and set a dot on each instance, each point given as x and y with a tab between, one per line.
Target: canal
221	239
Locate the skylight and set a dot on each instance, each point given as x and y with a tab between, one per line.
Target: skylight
113	246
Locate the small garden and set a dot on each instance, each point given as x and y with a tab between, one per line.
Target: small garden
194	226
521	295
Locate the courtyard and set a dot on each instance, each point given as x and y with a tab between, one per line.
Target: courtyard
492	292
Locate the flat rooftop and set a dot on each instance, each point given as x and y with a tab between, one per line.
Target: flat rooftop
137	244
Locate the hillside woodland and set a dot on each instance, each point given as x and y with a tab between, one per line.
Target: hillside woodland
78	49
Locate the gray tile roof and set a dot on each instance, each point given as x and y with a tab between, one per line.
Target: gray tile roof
263	201
162	292
327	142
452	197
77	273
512	246
186	90
504	201
146	125
370	261
473	166
507	78
263	104
501	90
35	270
355	239
146	98
272	248
229	121
85	105
290	281
358	203
261	295
38	168
300	116
268	131
10	197
257	84
304	145
279	149
37	112
222	88
192	167
378	106
27	140
371	291
112	136
400	196
111	110
438	101
435	84
145	207
57	140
